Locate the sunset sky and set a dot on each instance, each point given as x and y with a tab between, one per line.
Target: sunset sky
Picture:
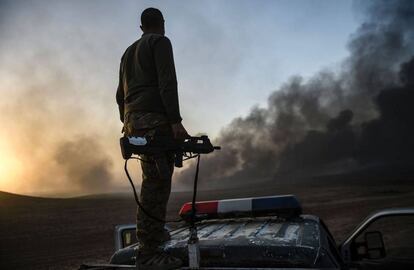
59	64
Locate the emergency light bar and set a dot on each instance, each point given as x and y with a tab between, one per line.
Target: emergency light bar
286	206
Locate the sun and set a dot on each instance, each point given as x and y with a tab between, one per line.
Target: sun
9	168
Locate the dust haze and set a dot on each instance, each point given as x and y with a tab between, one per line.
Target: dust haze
51	116
63	125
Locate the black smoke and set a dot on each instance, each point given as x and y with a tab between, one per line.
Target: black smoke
390	138
350	114
387	139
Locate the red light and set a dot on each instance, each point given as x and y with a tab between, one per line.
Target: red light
209	207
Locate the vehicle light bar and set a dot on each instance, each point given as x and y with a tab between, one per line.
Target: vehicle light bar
282	205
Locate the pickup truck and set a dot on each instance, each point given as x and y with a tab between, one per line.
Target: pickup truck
272	233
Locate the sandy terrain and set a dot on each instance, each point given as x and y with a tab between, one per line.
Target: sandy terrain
38	233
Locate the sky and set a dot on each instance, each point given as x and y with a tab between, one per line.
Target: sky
59	63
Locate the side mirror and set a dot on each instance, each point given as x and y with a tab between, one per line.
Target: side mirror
375	248
128	237
366	242
124	236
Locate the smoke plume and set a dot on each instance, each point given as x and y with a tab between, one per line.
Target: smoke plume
389	138
84	163
51	117
362	113
60	153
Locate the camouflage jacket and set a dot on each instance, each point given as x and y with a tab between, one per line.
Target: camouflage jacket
147	80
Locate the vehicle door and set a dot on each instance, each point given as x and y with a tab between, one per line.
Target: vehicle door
385	240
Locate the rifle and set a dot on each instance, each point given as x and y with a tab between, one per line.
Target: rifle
159	144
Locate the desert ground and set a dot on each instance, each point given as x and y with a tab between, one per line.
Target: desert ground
44	233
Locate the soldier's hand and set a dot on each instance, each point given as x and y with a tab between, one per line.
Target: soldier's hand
179	131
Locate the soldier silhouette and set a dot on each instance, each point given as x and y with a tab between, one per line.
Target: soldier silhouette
148	105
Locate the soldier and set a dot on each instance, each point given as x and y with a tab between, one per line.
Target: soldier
148	105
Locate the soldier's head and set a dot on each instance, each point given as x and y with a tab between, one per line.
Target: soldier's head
152	21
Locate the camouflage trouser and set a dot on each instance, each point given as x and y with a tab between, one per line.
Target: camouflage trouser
157	171
155	192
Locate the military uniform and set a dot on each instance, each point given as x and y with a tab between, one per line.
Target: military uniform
148	105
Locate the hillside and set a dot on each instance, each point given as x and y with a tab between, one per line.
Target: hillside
63	233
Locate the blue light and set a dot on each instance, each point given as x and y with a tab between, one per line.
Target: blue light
276	204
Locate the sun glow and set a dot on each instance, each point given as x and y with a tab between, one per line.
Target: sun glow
9	168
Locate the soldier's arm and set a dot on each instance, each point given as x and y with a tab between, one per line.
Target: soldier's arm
120	95
167	79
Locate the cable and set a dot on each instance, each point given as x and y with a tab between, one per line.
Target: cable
137	200
193	209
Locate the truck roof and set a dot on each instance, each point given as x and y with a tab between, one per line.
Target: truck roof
269	231
252	242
